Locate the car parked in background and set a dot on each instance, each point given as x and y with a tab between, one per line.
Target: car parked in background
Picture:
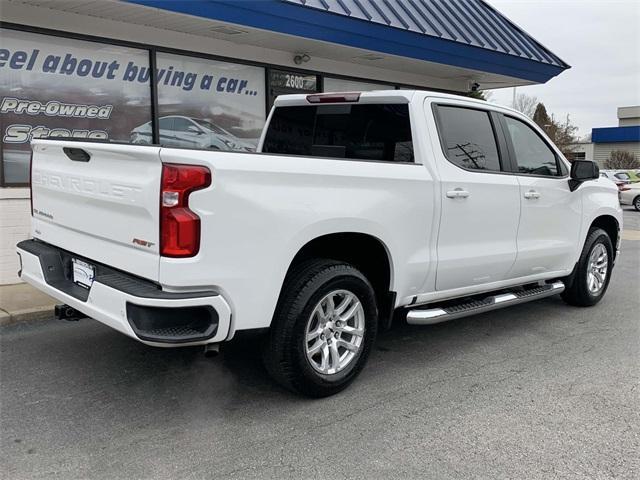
619	177
630	195
187	132
634	176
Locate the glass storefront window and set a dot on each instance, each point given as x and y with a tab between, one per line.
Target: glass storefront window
61	87
283	82
341	85
208	104
57	87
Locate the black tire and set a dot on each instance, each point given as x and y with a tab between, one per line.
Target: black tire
578	293
636	203
284	351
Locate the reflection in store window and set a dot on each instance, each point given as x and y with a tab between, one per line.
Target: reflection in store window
60	87
208	104
340	85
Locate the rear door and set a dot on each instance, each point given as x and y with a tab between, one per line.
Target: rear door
99	201
551	214
480	202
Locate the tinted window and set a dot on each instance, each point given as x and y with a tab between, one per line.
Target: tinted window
533	155
468	138
290	131
368	132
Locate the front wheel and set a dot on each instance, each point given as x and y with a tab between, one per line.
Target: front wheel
593	271
323	328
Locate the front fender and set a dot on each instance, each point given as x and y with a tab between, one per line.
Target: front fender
599	199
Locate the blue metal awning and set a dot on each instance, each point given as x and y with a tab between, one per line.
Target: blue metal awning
616	134
462	33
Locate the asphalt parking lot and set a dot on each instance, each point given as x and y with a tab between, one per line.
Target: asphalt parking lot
542	390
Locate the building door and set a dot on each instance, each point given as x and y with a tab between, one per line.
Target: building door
283	82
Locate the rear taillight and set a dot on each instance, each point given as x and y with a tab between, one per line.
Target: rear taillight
623	188
179	226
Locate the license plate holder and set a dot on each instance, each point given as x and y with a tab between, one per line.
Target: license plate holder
83	273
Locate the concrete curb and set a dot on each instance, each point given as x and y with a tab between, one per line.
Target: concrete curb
21	303
27	315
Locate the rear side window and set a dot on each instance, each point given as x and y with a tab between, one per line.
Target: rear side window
379	132
468	138
533	155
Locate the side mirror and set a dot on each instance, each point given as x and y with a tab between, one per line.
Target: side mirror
581	171
194	129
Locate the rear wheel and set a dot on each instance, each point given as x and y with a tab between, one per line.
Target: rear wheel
636	203
323	329
593	270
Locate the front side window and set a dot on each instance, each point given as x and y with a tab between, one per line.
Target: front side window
468	138
368	132
533	155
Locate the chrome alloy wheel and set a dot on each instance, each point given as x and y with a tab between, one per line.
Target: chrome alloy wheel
335	331
597	269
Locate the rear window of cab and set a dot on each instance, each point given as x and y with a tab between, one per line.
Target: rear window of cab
377	132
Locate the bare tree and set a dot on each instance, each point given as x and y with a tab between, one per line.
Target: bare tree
564	135
525	104
621	159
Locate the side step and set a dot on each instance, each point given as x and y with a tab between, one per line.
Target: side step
431	315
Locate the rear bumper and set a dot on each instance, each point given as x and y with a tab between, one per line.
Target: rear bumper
131	305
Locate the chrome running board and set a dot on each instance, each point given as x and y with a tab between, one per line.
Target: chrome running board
431	315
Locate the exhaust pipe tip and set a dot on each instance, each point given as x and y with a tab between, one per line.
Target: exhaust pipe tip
211	350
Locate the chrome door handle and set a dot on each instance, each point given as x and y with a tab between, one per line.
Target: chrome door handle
531	194
457	193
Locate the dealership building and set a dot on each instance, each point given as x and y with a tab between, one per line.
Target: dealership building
204	74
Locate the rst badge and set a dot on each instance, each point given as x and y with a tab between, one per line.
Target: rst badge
143	243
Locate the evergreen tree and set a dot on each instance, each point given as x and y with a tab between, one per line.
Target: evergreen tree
541	117
563	134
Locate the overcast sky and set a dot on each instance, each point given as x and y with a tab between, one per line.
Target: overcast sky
600	39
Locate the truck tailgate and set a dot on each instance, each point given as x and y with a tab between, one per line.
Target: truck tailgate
100	201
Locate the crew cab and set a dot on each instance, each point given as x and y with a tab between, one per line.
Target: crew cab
356	209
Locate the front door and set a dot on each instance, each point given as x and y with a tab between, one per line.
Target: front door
551	213
480	203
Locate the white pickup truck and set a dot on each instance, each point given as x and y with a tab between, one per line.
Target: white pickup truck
357	208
